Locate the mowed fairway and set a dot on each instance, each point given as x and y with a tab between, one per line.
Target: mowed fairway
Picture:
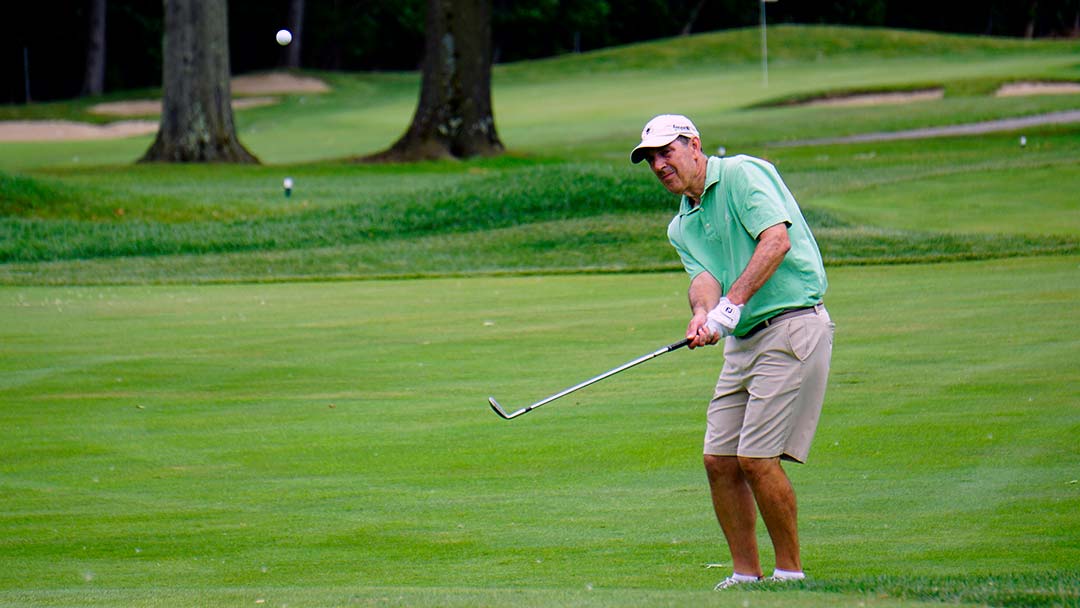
330	444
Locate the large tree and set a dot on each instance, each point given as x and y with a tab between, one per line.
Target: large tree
453	117
196	118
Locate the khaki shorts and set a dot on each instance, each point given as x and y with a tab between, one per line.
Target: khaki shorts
769	395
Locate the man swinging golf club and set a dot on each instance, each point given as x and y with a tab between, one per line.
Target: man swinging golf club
757	281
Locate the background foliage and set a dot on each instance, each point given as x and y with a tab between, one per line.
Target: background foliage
388	34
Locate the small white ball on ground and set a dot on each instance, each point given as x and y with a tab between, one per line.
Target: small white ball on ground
1023	141
284	37
287	183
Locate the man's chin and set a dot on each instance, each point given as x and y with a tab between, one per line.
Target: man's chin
674	188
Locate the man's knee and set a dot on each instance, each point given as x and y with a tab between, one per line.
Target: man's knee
755	468
722	467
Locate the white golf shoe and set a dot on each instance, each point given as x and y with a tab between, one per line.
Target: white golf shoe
783	576
735	579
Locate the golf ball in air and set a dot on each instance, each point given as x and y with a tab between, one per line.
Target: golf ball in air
284	37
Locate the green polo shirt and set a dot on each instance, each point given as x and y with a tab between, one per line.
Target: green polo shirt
744	196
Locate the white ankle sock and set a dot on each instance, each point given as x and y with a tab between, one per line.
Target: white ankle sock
787	575
744	578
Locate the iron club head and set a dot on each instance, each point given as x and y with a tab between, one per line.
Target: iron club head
498	408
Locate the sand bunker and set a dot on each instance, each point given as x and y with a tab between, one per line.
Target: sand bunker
152	107
1017	89
878	99
66	130
275	83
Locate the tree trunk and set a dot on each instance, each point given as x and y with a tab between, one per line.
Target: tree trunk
94	77
295	24
196	118
453	117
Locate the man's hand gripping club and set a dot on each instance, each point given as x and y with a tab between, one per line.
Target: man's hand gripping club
715	325
715	317
711	324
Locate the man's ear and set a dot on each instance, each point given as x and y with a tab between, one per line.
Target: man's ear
695	144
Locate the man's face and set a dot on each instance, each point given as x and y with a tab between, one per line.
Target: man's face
674	164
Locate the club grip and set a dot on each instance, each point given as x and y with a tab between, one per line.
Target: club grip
677	345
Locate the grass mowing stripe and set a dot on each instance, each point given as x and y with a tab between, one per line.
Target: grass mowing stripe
605	244
971	196
449	596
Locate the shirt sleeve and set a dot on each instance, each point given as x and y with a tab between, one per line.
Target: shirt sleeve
758	197
691	265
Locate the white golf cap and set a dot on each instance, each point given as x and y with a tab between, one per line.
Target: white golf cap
661	131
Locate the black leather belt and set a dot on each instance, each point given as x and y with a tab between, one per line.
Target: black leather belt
787	314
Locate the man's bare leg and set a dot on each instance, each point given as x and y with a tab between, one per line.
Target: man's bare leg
775	498
733	502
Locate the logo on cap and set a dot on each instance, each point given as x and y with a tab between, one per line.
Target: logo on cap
662	130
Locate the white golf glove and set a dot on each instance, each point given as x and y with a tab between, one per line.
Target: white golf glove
724	318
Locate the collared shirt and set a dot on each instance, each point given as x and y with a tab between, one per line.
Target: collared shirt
744	196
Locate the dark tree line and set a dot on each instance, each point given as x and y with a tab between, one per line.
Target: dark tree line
55	38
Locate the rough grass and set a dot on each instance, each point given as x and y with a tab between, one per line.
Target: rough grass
934	200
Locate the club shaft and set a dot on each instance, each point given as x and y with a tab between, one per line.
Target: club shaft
595	379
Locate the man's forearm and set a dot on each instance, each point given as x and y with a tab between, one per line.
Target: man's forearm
704	293
773	245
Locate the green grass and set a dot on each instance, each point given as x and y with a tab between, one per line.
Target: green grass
328	444
200	404
869	203
565	198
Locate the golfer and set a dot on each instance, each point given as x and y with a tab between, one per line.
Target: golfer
757	281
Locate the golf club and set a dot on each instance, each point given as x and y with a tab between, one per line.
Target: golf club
502	413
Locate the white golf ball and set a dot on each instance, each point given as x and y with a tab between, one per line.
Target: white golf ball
284	37
287	183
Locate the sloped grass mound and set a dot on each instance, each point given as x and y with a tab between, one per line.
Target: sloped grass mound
786	43
23	196
540	193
